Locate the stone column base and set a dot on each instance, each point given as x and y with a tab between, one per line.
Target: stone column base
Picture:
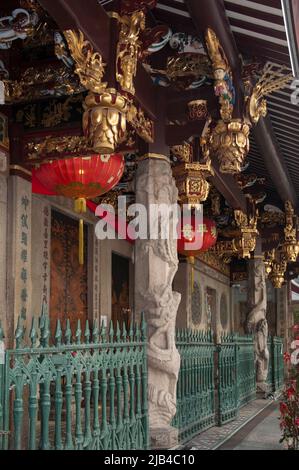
263	390
164	438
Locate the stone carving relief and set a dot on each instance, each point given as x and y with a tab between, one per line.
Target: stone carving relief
256	320
159	262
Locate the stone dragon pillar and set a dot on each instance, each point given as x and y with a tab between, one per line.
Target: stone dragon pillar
256	322
156	263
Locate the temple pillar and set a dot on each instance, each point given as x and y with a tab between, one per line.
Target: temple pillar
256	322
156	262
3	250
19	253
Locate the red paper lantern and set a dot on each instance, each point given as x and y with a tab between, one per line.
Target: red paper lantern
80	178
203	237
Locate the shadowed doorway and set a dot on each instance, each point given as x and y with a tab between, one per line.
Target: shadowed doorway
68	298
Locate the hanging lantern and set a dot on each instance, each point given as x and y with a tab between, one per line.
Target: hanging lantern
204	236
197	239
81	178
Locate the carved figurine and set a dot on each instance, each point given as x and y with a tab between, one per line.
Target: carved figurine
128	49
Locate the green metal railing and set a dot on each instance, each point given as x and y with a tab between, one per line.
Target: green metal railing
236	375
196	388
246	370
89	392
275	377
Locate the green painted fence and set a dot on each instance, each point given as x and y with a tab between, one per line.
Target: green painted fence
89	392
236	375
275	377
196	388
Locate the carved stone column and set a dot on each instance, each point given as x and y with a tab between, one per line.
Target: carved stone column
256	322
156	262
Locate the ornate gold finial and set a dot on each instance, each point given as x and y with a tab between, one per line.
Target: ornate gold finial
278	271
88	64
272	79
104	121
128	48
230	143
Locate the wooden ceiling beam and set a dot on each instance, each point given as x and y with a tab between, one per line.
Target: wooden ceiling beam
274	161
228	187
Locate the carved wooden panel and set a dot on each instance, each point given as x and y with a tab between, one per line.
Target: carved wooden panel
68	297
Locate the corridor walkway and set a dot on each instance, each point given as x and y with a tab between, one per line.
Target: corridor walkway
262	433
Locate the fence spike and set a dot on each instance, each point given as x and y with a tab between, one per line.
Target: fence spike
124	332
87	332
103	332
68	332
19	333
45	331
33	333
137	332
95	331
117	332
58	334
78	332
131	329
111	332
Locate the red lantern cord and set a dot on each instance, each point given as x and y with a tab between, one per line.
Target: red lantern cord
204	236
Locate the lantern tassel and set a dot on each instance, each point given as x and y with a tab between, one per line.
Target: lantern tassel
81	242
80	208
191	260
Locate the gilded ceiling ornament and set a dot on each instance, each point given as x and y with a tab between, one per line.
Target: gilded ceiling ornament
185	71
290	247
188	66
272	218
128	48
143	125
191	176
50	147
273	78
37	83
183	152
243	245
229	142
223	87
19	25
104	120
88	64
277	273
269	257
191	182
197	110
